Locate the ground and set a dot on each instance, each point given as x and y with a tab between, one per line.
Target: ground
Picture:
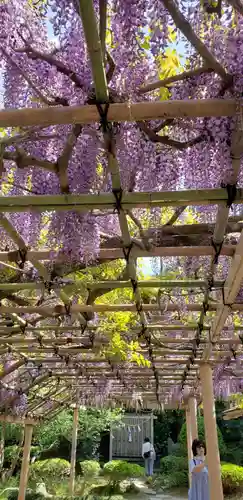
149	494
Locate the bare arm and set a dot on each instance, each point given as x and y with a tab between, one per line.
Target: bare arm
199	467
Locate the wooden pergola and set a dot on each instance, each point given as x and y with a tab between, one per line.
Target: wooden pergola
180	356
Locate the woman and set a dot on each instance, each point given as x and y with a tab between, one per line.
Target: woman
199	472
148	454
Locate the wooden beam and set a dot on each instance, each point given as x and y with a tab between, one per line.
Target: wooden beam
114	284
117	253
73	451
60	310
118	112
103	201
11	419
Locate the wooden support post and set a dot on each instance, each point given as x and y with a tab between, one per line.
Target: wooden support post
192	406
25	461
73	451
189	440
152	428
110	445
213	458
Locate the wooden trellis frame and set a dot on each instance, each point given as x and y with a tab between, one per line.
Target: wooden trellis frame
220	196
82	368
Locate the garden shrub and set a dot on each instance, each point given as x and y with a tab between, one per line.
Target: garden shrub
176	479
201	435
54	468
121	470
10	453
232	478
172	464
173	472
30	495
90	468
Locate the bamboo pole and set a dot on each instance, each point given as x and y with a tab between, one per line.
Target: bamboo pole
73	451
192	405
81	350
117	253
59	310
215	483
114	284
157	327
189	441
77	340
118	112
25	462
178	251
102	201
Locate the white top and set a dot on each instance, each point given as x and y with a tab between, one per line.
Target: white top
148	447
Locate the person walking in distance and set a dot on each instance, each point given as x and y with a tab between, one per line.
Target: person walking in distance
148	454
199	472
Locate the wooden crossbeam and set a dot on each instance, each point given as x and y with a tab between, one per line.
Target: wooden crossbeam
117	253
11	419
103	201
62	341
118	112
108	284
49	311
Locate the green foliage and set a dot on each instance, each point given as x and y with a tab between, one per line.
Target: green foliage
90	468
232	478
234	454
55	468
173	472
173	463
53	435
10	453
50	433
168	424
169	64
120	470
30	495
201	435
178	479
12	432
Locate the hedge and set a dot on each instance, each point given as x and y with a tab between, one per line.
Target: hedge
173	463
54	468
90	468
232	478
122	469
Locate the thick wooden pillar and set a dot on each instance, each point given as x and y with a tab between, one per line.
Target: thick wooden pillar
25	461
189	440
213	458
73	451
192	406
